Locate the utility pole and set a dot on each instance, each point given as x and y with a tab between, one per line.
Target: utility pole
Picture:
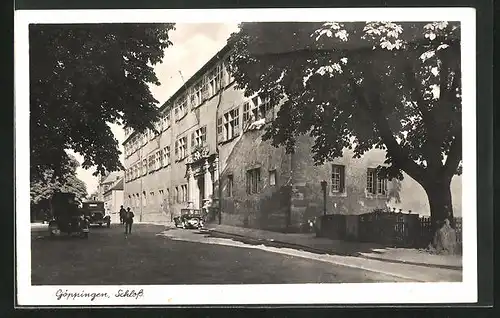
323	187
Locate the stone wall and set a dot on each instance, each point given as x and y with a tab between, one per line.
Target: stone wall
307	195
267	209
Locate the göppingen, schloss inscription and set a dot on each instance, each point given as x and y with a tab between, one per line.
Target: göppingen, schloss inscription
121	293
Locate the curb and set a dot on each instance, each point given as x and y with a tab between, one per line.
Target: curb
325	251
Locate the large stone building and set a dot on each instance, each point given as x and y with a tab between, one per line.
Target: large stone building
210	148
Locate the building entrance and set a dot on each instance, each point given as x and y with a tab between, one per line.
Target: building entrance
201	191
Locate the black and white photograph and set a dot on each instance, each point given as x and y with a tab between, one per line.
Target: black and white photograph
237	156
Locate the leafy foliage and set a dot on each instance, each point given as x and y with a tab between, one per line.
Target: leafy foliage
393	86
43	188
84	77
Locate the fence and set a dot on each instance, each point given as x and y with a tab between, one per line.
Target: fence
426	230
384	227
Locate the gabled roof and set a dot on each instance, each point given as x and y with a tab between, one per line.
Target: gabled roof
118	186
112	177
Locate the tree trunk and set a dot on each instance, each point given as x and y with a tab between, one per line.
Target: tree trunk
440	201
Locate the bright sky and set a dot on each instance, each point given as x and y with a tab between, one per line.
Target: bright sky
193	45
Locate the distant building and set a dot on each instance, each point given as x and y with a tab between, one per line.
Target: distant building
113	199
210	136
106	182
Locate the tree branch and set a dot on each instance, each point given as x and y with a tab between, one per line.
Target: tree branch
454	156
432	146
401	158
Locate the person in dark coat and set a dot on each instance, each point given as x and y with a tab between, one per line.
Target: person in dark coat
122	214
129	219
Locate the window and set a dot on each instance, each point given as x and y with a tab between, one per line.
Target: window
253	181
144	198
157	126
204	92
214	79
257	108
181	148
375	184
381	186
166	156
180	109
161	159
165	121
167	196
151	163
144	167
184	193
151	198
177	198
338	178
230	183
272	177
195	98
158	159
199	137
228	125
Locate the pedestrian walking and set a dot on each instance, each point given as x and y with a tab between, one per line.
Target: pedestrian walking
122	214
129	219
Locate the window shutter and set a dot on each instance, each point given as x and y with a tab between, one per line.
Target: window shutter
342	179
248	182
236	128
193	141
236	122
220	130
177	150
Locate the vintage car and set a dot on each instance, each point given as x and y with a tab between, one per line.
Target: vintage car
94	211
66	217
189	220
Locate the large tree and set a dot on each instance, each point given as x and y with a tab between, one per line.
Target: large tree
42	188
394	86
83	78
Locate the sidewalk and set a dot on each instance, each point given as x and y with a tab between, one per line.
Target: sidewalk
372	251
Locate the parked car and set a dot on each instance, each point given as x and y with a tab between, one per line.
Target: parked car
94	211
189	221
66	217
